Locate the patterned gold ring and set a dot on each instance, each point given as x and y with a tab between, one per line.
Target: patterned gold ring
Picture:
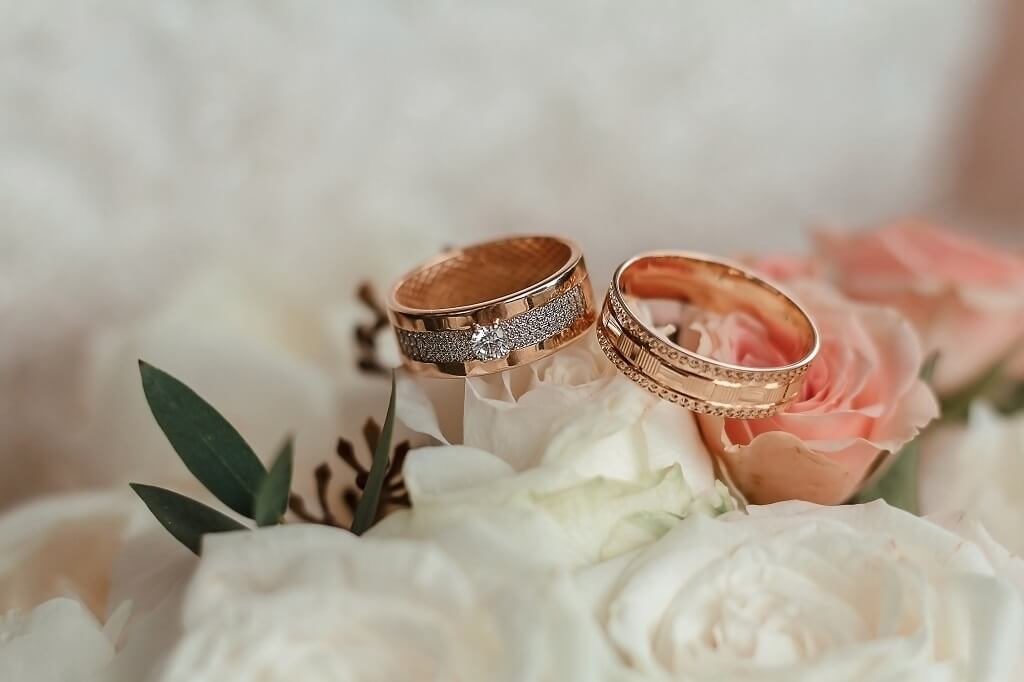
489	307
683	376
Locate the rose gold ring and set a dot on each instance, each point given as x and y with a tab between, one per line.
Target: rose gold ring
655	361
489	307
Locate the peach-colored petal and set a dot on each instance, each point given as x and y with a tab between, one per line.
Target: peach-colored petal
928	250
779	466
970	341
917	407
853	252
840	370
784	267
862	397
965	298
896	355
832	426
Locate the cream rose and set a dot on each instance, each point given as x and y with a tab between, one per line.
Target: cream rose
315	603
58	641
595	519
965	298
978	467
608	464
861	398
795	592
106	551
65	544
571	416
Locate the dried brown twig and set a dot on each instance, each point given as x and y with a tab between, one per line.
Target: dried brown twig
367	334
298	506
394	492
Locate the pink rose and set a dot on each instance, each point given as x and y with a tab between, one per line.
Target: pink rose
862	397
783	267
965	298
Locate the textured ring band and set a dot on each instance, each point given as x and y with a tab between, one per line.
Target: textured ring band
683	376
492	306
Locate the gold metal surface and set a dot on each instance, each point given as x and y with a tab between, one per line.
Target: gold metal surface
683	376
512	283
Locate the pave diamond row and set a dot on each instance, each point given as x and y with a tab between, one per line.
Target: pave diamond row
523	330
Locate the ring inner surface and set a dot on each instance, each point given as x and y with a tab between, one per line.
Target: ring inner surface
483	273
677	289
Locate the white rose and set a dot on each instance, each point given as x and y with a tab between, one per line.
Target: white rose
315	603
106	550
610	464
798	592
977	468
58	641
572	413
596	519
63	544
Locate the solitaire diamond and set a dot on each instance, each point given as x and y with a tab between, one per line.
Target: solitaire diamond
488	342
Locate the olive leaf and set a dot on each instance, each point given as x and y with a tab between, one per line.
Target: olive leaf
1013	399
185	519
272	496
958	405
898	486
210	447
221	460
366	510
927	372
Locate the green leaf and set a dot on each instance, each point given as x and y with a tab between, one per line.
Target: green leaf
272	497
1013	399
927	371
898	485
209	446
366	510
185	519
958	405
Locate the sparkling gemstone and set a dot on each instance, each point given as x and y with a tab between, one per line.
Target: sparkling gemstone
488	342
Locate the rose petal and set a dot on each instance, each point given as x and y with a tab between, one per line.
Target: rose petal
779	466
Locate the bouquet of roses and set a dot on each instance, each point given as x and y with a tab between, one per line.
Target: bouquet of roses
773	468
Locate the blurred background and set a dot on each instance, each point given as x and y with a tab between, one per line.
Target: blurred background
205	185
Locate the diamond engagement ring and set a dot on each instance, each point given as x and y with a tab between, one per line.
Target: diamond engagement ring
492	306
678	374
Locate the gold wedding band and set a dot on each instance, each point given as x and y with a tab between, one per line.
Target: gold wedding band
489	307
682	376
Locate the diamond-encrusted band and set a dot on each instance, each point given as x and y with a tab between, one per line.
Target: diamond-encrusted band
682	376
492	306
495	341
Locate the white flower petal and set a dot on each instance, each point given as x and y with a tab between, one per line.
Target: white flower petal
316	603
977	468
794	591
58	641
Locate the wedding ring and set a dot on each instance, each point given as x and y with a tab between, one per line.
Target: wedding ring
680	375
489	307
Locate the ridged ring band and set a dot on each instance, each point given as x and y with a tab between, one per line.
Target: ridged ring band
489	307
683	376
